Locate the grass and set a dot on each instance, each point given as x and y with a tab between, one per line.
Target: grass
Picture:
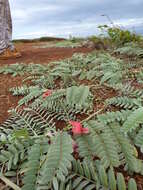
63	43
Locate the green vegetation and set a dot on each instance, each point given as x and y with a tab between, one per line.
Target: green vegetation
62	43
119	36
79	124
42	39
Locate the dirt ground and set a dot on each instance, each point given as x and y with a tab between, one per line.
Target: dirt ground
29	55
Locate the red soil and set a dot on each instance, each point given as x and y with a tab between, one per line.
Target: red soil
29	55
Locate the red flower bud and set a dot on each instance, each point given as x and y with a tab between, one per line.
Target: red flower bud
75	146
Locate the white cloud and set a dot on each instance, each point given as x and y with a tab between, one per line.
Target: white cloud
19	15
130	22
33	18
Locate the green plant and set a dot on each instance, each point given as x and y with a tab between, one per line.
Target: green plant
110	117
125	102
40	149
119	36
133	120
130	49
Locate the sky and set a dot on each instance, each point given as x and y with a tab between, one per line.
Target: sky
62	18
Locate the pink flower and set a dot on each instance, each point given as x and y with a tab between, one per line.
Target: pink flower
85	130
78	129
47	93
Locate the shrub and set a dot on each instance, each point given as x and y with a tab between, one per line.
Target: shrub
120	36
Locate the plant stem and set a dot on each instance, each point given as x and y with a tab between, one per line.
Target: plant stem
9	183
94	114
